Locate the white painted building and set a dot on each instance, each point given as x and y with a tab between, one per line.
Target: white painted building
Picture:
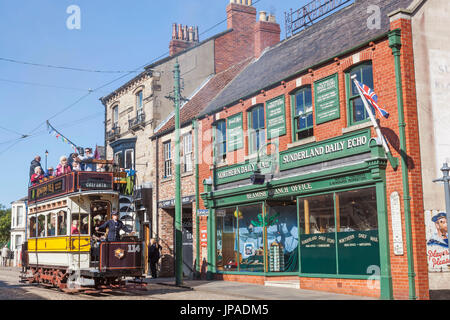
18	227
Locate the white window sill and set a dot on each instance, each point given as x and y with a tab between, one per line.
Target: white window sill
301	142
187	174
356	127
219	165
250	157
166	179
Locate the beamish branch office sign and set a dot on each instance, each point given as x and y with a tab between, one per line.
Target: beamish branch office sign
324	151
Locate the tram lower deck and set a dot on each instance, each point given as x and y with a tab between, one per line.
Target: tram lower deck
64	249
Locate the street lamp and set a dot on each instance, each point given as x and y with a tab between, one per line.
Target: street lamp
46	155
445	169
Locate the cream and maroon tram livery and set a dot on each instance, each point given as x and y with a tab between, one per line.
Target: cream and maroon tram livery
64	250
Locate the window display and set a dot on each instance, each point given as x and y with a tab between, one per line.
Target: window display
282	236
226	225
251	243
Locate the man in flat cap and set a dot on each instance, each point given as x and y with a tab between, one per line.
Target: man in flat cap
440	222
114	226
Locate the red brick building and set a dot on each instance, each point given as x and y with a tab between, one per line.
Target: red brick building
331	212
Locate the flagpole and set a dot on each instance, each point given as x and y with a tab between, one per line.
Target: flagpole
392	160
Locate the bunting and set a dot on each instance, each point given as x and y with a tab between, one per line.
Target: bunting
52	131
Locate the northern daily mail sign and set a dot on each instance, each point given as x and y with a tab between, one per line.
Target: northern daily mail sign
331	149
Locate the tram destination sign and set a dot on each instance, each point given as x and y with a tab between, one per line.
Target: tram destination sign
95	181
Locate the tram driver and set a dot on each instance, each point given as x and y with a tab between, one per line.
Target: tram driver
114	226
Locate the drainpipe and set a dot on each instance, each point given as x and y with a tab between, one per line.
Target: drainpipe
197	196
395	45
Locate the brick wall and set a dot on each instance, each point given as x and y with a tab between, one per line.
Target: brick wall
385	86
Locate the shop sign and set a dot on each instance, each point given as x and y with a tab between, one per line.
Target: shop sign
235	132
437	241
240	171
295	189
326	99
396	224
171	203
276	117
220	213
204	236
334	148
202	212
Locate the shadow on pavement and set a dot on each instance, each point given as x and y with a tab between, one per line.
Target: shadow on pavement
439	294
16	292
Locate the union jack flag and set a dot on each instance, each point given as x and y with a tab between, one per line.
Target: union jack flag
372	98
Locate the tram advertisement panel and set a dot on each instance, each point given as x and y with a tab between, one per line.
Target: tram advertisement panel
120	255
49	189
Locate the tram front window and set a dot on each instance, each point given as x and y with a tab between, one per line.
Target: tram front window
62	223
41	224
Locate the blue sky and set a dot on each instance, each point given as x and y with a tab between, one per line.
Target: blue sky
115	35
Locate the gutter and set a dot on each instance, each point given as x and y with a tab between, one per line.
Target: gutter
395	44
197	195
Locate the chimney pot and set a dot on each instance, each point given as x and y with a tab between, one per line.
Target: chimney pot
272	18
262	16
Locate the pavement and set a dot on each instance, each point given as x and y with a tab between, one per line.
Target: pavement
165	289
241	290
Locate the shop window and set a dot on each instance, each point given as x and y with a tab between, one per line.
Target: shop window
251	243
227	237
32	231
62	223
41	226
257	135
303	113
221	140
357	111
317	238
51	224
282	237
357	230
167	160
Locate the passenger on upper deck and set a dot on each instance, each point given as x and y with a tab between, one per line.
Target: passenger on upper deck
37	176
76	166
50	173
86	160
63	167
35	163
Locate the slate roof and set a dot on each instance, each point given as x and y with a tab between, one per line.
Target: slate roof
331	36
201	99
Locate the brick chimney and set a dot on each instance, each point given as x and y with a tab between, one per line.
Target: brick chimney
183	37
267	32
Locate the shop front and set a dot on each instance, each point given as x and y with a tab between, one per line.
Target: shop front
329	223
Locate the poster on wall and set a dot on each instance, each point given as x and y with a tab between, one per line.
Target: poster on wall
326	99
437	241
235	132
276	117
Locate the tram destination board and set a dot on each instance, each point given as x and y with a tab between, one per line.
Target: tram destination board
95	181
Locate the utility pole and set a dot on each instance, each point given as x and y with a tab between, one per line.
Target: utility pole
178	229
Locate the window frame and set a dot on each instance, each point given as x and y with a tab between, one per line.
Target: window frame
115	116
187	153
139	102
167	153
125	163
255	132
220	156
348	90
309	129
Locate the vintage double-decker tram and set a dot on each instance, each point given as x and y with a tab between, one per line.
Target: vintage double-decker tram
63	248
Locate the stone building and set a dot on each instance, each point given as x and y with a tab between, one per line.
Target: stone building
18	227
298	188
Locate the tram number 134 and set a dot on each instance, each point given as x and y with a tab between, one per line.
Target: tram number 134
134	248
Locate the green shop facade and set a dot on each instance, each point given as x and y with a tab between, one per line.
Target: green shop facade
321	212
